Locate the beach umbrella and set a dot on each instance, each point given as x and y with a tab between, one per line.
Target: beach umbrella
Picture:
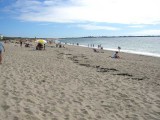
41	41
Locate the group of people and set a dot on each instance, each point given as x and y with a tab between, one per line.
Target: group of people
115	55
40	47
2	48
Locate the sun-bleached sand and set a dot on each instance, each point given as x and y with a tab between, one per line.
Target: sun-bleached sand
75	83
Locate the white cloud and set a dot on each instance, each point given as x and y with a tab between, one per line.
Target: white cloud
136	26
110	11
97	27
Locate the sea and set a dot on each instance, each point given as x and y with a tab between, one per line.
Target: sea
149	46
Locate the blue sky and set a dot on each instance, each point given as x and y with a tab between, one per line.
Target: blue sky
78	18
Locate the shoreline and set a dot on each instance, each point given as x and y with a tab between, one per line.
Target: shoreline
125	51
148	46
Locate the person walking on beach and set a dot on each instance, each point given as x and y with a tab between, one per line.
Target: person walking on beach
44	46
1	49
20	43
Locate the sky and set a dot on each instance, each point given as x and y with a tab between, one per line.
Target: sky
79	18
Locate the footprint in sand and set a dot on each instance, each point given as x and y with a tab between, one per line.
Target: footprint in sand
84	111
5	107
54	118
28	111
15	118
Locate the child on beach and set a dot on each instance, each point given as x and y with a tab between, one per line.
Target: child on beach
115	55
1	49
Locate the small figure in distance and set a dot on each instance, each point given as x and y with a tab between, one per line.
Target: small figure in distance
119	48
44	46
20	43
1	49
115	55
95	50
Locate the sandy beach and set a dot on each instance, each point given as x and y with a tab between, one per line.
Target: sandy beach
75	83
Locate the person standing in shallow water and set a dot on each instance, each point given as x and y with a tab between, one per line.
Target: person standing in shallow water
119	48
1	49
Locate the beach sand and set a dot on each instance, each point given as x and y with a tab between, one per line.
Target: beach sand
75	83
